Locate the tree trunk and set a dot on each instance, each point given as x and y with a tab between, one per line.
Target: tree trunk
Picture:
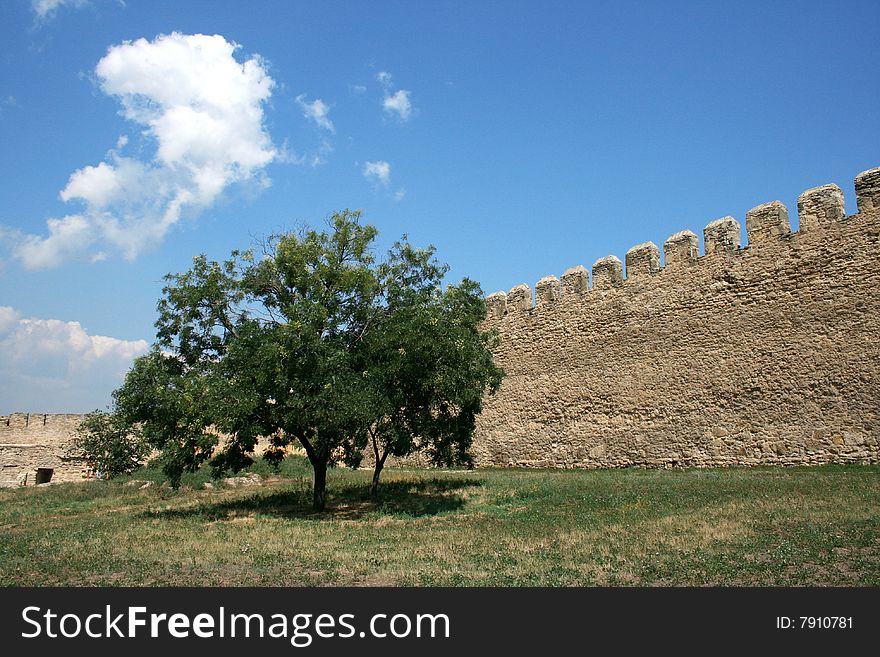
374	487
319	493
319	466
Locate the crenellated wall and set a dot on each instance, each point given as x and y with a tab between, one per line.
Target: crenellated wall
30	441
759	354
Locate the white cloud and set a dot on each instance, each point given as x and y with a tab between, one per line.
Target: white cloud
321	155
51	365
67	238
316	111
202	108
45	9
378	172
8	319
398	102
384	78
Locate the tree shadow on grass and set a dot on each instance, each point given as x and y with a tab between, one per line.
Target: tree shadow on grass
413	499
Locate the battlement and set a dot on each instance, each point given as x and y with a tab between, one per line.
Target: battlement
768	224
37	421
763	353
38	428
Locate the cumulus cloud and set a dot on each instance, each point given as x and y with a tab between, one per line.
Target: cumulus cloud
397	102
8	319
52	365
203	110
68	238
46	9
378	172
316	111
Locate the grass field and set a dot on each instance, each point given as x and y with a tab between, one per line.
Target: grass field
816	526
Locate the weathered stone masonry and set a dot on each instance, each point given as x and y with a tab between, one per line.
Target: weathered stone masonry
764	354
32	444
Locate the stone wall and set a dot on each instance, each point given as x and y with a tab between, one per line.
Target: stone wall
33	441
763	354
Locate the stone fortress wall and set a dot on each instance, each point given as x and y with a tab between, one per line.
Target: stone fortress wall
762	354
31	444
35	442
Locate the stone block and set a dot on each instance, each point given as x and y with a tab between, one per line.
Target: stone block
547	291
496	305
642	259
607	273
868	190
681	248
767	221
519	298
576	280
820	206
721	236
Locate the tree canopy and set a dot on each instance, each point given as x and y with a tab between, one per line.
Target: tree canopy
309	340
109	445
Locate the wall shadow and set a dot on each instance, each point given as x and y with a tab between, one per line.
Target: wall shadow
425	497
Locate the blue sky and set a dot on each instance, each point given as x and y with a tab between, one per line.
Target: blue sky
520	138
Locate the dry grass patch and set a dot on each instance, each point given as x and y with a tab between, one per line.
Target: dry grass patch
765	526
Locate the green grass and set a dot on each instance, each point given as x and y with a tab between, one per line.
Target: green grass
815	526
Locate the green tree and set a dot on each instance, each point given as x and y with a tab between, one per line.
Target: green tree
428	363
168	402
294	343
108	444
